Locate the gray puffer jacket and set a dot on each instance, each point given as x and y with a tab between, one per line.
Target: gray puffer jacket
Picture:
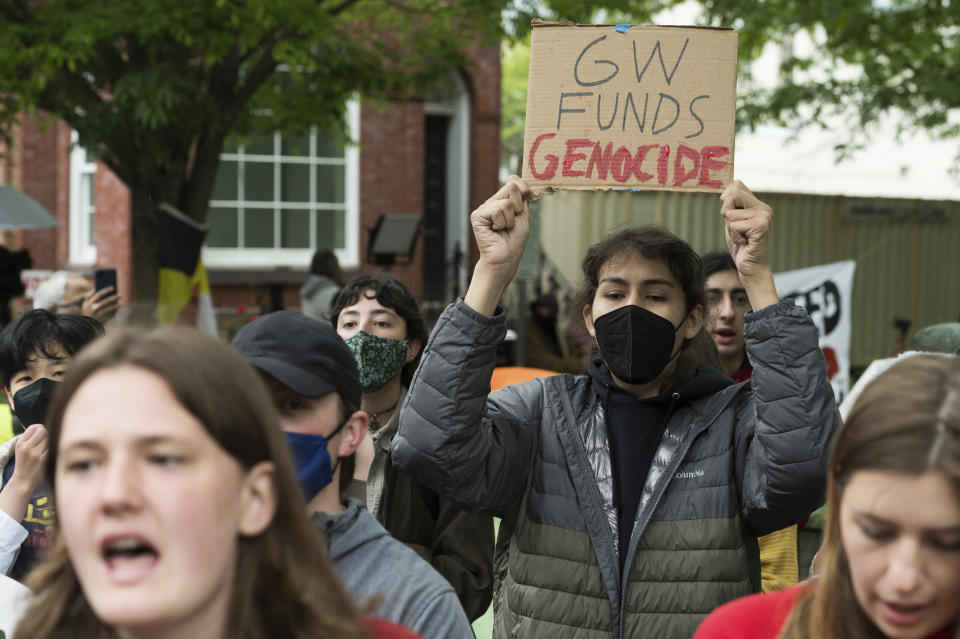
732	465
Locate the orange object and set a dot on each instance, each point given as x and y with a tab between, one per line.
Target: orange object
509	375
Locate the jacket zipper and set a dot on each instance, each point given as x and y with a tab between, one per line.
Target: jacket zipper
582	455
635	540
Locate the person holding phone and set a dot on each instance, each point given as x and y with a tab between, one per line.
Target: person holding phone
69	292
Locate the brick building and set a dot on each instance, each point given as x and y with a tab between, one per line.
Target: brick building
279	198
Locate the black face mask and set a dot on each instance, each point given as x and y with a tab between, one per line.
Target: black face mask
30	402
635	343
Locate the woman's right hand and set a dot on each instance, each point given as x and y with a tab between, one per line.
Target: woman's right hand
30	453
31	459
501	226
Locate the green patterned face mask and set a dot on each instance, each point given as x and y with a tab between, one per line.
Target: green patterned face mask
378	358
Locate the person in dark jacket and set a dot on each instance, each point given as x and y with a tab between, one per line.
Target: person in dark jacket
632	496
379	319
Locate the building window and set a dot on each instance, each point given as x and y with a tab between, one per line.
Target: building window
278	198
83	168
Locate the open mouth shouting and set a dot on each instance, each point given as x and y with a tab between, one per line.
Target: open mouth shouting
129	558
724	335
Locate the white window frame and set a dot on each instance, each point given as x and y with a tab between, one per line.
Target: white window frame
82	251
349	256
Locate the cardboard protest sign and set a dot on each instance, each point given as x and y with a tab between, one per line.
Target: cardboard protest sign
826	292
623	107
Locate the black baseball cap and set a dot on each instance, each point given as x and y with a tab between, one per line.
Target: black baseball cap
305	355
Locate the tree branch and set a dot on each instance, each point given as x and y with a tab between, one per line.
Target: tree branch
340	8
260	73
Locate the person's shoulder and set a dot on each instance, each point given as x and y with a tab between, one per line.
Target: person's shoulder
391	558
759	616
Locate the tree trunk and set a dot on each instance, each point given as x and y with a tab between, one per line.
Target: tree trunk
144	258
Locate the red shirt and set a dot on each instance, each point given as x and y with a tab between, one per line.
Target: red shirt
743	374
760	617
381	629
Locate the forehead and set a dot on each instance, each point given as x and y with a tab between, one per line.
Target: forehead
634	268
892	496
126	403
727	280
367	303
56	350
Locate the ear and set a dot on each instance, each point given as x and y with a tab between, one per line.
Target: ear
694	322
9	397
588	319
259	499
413	348
353	434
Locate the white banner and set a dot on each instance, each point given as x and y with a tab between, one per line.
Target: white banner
826	292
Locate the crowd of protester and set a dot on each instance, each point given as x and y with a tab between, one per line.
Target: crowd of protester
337	472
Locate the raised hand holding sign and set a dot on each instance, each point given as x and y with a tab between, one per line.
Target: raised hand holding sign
614	107
501	226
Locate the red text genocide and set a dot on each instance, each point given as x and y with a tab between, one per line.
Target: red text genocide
625	166
605	160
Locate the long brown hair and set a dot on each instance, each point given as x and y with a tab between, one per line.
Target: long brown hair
284	585
906	421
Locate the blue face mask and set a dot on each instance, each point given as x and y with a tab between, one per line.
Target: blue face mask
314	466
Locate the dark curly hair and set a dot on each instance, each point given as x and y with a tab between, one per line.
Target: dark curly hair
390	293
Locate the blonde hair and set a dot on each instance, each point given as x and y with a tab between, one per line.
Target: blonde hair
284	586
907	421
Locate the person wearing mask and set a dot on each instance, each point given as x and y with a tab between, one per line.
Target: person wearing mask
728	307
632	496
35	352
889	566
314	384
178	510
379	319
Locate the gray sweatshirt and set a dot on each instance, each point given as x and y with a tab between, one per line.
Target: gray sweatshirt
371	562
